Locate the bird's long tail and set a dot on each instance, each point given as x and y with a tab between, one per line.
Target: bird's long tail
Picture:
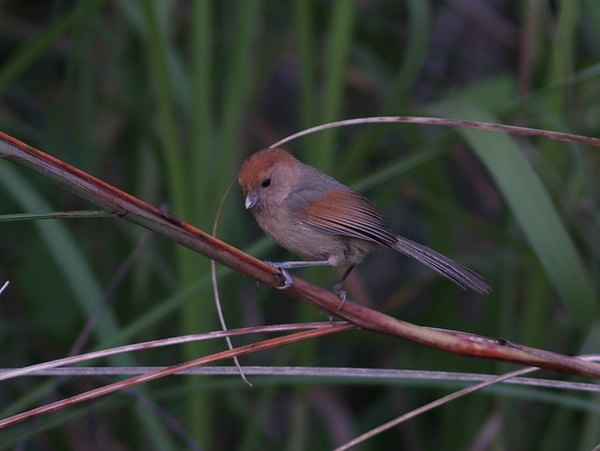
460	275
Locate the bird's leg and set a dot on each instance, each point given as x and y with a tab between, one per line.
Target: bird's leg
337	288
284	266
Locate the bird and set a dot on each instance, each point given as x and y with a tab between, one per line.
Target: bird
326	223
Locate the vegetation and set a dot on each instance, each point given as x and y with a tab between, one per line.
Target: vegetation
164	99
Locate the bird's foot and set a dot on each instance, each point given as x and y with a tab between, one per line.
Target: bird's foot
337	289
284	277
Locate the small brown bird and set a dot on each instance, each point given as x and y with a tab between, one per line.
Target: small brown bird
325	222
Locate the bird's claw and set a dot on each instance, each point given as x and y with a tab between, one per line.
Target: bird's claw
337	289
284	277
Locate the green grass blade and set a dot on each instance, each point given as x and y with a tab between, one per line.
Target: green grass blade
80	278
404	81
419	35
307	58
202	121
532	208
30	53
65	251
237	89
340	38
170	134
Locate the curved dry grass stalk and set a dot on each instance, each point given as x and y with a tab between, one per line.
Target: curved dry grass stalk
79	358
154	375
3	287
215	285
441	401
444	122
350	374
432	405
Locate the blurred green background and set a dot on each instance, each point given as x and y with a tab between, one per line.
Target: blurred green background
165	99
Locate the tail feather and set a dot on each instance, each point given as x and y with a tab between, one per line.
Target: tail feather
460	275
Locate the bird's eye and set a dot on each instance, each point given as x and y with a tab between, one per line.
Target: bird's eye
266	183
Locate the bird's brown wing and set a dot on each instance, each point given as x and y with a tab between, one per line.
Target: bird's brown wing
347	213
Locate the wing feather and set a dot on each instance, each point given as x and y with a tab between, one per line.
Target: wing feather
348	213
